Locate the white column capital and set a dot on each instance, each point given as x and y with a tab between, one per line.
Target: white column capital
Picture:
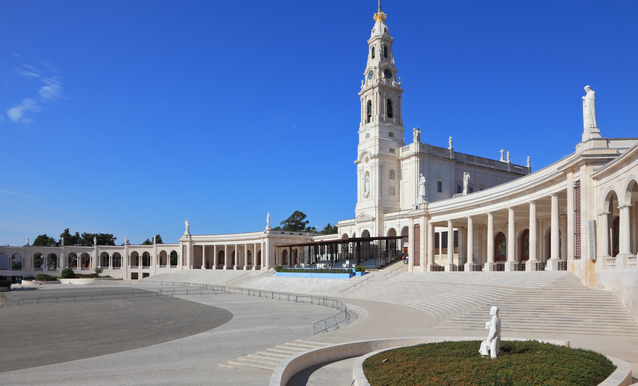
622	205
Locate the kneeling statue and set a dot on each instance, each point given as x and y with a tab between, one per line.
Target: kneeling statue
491	345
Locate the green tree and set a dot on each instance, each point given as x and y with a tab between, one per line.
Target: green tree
158	240
102	239
296	223
70	239
329	230
44	241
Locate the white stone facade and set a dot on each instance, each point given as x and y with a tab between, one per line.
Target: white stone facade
579	214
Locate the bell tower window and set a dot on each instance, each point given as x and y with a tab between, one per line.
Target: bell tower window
369	112
390	110
372	52
385	51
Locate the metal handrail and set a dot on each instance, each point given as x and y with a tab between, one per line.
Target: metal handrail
356	286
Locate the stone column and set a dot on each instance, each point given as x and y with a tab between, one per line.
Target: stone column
490	265
245	257
511	240
203	257
215	257
254	262
425	222
624	242
411	246
430	254
563	244
571	240
226	257
533	258
603	235
236	252
552	264
449	266
470	245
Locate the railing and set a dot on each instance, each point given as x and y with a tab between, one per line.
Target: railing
500	267
519	267
116	267
437	268
358	285
632	262
394	272
477	267
610	263
562	266
146	267
460	268
185	288
238	277
541	266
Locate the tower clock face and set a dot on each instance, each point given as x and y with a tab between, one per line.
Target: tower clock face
370	74
387	73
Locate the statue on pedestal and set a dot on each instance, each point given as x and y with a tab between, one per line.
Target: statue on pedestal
187	225
416	135
94	240
466	182
502	159
589	109
366	186
268	221
422	187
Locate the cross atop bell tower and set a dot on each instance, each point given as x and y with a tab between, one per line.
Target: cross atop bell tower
381	127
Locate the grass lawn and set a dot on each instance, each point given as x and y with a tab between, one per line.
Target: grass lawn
459	363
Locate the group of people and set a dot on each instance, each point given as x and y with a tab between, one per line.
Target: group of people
404	257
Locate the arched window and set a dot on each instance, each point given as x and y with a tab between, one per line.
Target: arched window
390	109
369	112
385	51
391	174
372	52
391	135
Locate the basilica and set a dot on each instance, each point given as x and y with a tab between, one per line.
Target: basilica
442	208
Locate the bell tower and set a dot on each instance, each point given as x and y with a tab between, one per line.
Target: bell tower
380	130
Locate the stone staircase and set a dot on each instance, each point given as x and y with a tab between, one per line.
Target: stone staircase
268	360
564	306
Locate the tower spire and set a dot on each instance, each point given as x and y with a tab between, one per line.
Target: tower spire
379	16
379	5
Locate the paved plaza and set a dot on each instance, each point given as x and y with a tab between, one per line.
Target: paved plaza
183	340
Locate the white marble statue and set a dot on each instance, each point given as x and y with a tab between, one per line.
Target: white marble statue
466	182
589	109
422	187
366	186
508	156
491	345
62	241
268	221
495	332
502	159
27	241
449	142
188	227
416	135
154	240
94	240
485	345
528	162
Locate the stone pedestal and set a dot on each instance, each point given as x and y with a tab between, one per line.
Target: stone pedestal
530	265
468	266
509	266
450	268
489	267
552	265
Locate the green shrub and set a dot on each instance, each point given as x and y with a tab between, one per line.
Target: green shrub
44	277
360	268
5	283
28	278
67	273
278	268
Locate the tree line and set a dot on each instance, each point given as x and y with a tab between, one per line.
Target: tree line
297	223
84	240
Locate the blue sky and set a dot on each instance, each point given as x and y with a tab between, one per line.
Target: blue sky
130	117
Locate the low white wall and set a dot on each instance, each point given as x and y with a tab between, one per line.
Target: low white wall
623	285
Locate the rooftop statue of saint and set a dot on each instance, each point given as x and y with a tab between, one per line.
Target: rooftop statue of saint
416	135
268	221
466	182
589	109
187	225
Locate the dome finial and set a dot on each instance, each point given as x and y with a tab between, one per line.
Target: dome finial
379	16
